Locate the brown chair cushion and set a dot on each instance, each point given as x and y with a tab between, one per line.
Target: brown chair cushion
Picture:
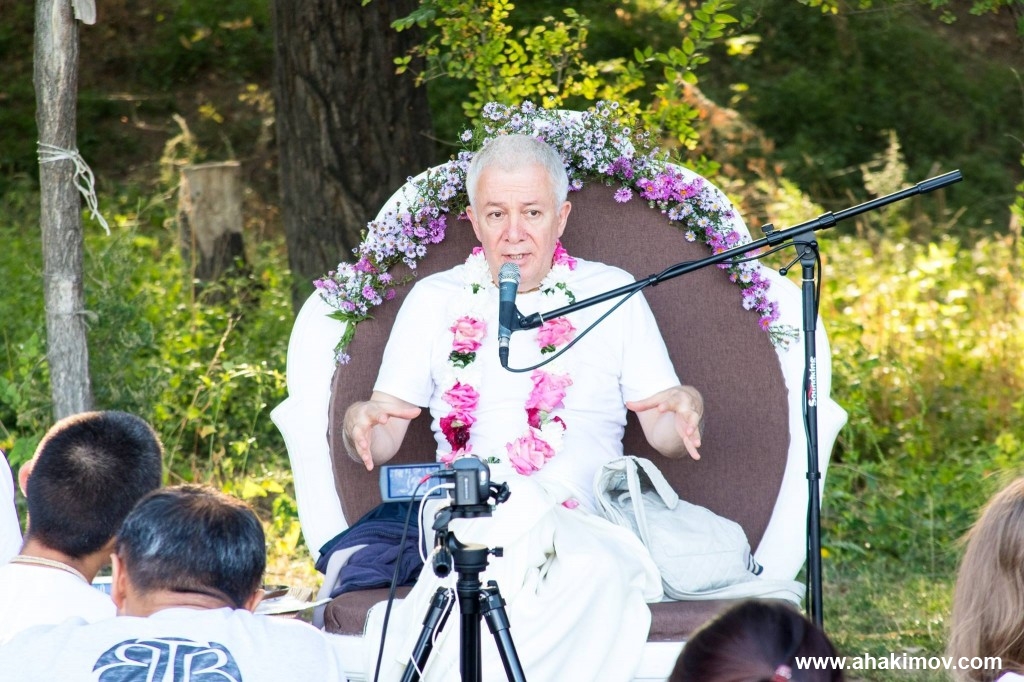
714	343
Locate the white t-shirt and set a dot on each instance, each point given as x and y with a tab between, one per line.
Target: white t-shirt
623	358
215	644
10	529
40	595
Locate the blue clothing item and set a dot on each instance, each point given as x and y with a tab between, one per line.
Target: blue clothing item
381	530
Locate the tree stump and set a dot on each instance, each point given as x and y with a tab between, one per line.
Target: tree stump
210	218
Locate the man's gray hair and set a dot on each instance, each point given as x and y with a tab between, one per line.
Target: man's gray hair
512	153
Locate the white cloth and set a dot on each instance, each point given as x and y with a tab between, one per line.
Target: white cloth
223	644
40	595
576	586
10	529
1010	677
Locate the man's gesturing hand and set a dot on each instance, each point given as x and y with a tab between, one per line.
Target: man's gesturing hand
671	420
374	429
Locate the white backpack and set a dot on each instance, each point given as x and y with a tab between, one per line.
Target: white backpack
700	554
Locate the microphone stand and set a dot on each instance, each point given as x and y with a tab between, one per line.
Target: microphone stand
802	236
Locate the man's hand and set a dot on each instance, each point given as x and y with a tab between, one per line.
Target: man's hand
374	429
672	420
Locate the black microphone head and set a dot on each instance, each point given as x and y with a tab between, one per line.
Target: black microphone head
509	273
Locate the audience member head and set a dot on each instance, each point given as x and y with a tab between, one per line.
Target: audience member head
193	540
755	641
988	600
86	475
512	153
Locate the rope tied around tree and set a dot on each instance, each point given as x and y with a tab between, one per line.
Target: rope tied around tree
84	179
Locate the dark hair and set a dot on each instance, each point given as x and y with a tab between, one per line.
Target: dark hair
88	472
748	643
193	539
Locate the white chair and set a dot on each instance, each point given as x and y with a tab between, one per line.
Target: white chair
754	456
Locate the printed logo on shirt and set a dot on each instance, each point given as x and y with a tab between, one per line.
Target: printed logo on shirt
168	659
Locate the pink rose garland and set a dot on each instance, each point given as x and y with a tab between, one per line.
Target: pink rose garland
531	451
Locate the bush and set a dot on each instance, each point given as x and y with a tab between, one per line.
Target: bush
204	369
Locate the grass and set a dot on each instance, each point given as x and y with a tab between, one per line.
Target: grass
881	608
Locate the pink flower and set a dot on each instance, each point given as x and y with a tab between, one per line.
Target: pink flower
528	453
554	333
548	390
562	257
469	333
455	428
449	457
462	397
533	417
571	503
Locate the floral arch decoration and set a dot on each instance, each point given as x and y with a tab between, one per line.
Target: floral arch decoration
600	144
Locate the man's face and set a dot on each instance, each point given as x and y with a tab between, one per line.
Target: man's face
517	220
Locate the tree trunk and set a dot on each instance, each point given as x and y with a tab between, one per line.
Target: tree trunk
56	83
210	218
349	130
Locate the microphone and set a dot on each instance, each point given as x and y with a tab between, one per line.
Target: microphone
508	284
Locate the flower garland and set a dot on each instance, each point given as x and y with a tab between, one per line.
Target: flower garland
601	144
543	437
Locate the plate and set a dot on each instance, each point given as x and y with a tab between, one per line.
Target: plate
274	591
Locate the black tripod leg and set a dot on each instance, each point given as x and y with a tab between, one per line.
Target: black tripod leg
492	607
435	619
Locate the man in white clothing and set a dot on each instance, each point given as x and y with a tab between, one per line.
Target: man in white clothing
575	585
87	473
10	529
188	573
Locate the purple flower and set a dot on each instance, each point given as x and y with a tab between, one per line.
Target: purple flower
623	167
599	143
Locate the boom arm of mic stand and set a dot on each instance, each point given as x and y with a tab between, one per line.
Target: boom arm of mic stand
800	235
772	237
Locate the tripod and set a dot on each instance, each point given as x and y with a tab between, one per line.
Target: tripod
476	600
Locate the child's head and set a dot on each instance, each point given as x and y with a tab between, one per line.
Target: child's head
988	601
755	641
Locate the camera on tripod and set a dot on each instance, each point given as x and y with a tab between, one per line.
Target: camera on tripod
473	487
470	498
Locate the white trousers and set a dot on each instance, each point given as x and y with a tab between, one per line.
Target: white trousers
576	590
